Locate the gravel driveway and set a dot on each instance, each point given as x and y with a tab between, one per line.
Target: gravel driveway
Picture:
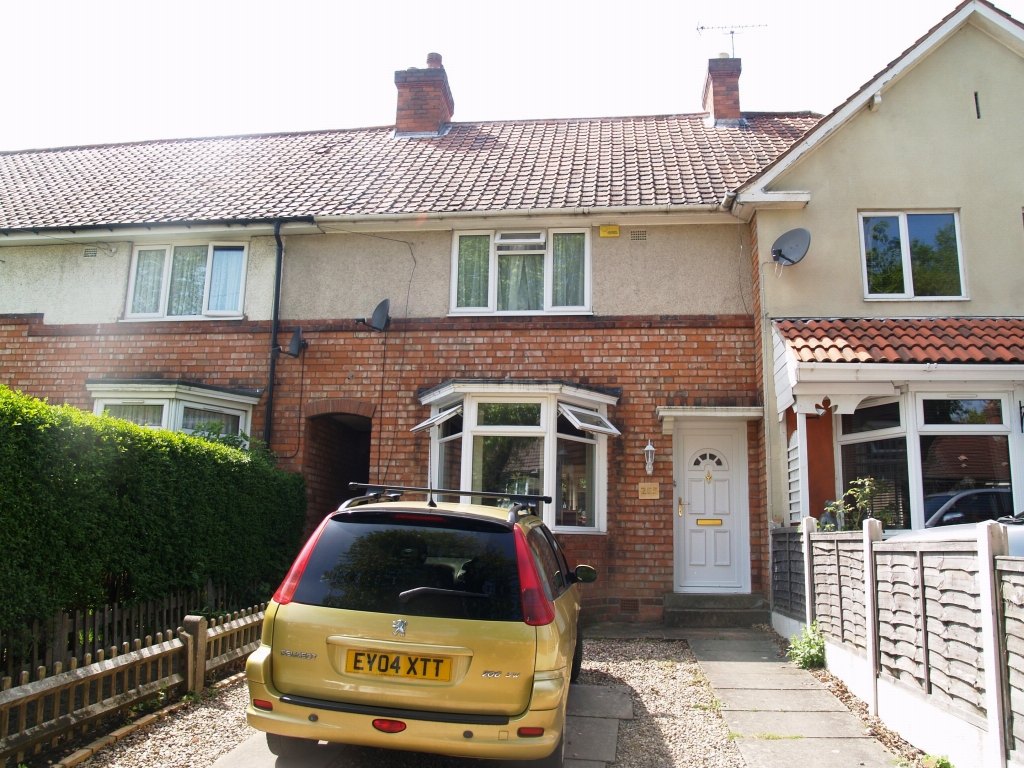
676	719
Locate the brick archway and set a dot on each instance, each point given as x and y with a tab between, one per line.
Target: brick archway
337	452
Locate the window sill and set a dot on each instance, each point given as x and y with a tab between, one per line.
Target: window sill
917	298
579	531
181	319
536	313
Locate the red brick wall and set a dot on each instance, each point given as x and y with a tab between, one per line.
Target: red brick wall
654	360
336	455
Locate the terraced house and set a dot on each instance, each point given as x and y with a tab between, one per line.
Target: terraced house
898	342
570	302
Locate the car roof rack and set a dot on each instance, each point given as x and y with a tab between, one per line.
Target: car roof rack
523	503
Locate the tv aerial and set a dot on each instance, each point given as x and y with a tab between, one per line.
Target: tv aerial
731	31
380	319
791	247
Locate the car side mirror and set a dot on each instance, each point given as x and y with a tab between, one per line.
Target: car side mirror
952	518
585	574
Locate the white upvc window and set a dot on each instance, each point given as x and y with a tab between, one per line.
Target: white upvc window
912	255
511	440
173	405
187	281
521	272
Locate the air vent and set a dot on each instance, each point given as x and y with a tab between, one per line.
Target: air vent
638	234
90	253
629	605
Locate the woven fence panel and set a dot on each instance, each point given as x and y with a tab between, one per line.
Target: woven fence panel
900	646
1011	581
839	587
952	606
788	573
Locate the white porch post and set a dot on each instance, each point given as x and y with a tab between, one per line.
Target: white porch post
992	543
801	440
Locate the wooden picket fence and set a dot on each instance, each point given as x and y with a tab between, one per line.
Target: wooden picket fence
61	705
72	635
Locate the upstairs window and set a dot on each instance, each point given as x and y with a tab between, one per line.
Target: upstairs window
911	255
521	272
186	281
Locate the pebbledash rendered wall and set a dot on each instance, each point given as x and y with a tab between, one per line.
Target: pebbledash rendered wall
655	360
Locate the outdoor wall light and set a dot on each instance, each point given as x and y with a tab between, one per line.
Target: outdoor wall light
649	457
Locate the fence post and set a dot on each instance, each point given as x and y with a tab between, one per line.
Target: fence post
992	543
872	533
196	627
808	525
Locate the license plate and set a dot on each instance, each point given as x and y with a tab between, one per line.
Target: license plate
399	665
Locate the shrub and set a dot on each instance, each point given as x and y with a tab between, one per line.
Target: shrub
95	509
808	650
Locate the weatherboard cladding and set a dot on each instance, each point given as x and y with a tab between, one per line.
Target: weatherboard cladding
515	165
910	340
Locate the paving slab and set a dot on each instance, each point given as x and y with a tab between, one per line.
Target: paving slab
811	726
760	700
591	738
600	701
582	764
772	680
814	753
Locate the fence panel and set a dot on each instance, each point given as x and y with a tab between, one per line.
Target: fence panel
233	638
930	624
1011	586
788	573
839	603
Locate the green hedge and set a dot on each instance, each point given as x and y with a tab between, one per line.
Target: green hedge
94	509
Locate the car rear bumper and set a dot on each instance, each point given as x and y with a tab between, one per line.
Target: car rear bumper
426	735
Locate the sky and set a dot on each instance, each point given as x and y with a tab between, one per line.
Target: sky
99	71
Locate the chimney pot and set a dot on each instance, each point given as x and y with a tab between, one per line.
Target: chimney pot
722	89
434	61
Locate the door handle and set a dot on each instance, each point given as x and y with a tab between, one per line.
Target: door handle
681	505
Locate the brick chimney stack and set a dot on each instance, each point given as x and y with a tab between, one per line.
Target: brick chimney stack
722	89
425	103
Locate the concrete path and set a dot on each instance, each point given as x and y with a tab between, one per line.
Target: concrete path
592	726
782	717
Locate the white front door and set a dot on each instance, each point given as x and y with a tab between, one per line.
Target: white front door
711	509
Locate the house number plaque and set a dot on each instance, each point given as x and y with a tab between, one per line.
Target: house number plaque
650	491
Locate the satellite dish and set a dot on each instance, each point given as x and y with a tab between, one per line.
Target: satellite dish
381	319
296	345
791	247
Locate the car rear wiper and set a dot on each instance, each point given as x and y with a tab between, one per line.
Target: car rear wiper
409	594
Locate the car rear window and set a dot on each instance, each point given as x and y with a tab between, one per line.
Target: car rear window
416	565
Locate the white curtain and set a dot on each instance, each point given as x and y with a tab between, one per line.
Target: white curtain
520	282
188	279
474	265
226	278
568	269
143	415
149	274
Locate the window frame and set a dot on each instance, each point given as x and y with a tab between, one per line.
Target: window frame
963	429
908	272
174	398
548	429
168	248
492	274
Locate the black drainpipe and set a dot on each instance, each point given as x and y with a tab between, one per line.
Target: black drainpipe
269	421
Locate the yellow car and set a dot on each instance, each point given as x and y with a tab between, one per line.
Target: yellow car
444	628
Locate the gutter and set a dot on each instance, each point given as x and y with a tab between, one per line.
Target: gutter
268	426
523	213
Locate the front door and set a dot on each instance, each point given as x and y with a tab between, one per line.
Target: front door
710	510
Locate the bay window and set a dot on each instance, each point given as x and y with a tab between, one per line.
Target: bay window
188	281
500	438
174	404
521	272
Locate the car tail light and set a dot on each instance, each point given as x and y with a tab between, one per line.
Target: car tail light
389	726
263	704
530	733
537	609
286	591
